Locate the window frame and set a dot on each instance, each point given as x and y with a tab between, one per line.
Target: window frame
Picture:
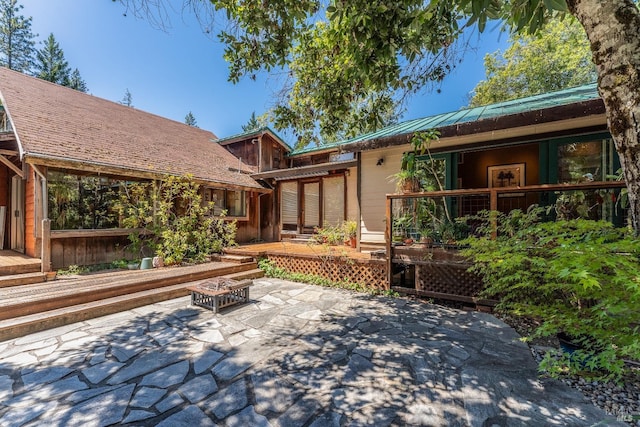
208	197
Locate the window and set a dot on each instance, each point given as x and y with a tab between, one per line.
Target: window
585	161
82	201
233	201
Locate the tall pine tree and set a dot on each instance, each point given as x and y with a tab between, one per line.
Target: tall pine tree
51	65
252	124
190	120
76	82
127	99
17	45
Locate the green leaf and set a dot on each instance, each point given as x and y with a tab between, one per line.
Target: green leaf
559	5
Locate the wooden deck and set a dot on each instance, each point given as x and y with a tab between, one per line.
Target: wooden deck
12	262
288	248
30	308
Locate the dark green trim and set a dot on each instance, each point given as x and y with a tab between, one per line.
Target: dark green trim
543	162
552	154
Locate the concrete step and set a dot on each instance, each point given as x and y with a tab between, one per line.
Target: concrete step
22	279
41	320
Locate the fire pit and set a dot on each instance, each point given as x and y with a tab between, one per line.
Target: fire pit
220	292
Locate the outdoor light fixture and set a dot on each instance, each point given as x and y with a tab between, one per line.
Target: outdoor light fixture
380	161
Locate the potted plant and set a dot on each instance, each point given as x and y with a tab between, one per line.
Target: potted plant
401	226
350	229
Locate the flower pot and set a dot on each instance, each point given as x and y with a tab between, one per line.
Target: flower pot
146	264
567	343
353	242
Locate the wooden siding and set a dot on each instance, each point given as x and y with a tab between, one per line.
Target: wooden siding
375	185
4	201
31	242
88	250
352	194
248	228
246	151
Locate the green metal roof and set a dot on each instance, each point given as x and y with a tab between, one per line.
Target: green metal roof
465	115
244	135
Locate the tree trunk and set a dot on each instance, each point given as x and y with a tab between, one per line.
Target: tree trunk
613	29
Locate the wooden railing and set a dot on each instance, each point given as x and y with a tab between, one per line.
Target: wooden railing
453	204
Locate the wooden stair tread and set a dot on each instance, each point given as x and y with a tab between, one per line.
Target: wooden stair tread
254	273
38	298
19	326
22	279
73	286
236	258
35	322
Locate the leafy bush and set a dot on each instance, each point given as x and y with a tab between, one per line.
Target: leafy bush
579	277
175	223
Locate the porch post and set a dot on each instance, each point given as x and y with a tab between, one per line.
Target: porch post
45	257
387	237
493	206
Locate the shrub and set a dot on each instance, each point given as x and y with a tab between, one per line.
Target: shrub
175	223
331	235
579	277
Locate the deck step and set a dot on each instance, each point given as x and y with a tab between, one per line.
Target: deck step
301	240
255	273
36	322
22	279
239	259
32	299
20	269
83	305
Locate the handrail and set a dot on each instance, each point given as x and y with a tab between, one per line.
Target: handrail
493	194
594	185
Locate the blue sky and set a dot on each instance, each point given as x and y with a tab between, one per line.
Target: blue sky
180	70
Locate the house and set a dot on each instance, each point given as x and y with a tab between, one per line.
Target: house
318	188
63	154
550	138
263	151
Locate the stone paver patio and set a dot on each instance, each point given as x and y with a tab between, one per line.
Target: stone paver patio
296	355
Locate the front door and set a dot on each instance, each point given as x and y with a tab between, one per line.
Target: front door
17	214
310	206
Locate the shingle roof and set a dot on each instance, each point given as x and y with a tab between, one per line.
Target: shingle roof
57	123
465	115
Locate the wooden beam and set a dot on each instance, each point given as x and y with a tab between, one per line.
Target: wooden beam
11	166
129	173
9	153
89	233
45	256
